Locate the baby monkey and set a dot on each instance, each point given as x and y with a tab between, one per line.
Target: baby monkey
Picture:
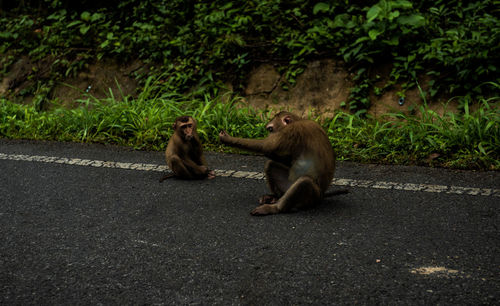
184	153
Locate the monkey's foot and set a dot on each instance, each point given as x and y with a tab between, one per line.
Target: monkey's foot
268	199
211	175
167	176
265	209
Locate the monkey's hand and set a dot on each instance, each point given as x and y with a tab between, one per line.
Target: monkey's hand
209	173
223	136
265	209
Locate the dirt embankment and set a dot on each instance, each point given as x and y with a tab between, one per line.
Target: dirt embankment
98	79
323	87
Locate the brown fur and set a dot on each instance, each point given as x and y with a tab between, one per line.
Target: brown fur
301	165
184	153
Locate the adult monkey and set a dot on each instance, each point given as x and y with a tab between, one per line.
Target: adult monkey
184	153
301	165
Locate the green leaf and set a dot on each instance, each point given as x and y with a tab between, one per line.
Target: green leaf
84	29
104	44
401	4
393	15
394	41
341	20
360	40
480	147
85	16
374	33
320	8
96	16
373	13
74	23
227	6
415	20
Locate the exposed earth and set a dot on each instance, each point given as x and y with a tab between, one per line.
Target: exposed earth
323	86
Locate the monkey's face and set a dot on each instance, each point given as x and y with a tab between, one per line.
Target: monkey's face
187	130
279	121
185	127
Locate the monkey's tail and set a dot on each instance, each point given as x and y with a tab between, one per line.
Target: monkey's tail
166	176
336	192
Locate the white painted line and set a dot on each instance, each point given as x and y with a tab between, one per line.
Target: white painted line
258	175
84	162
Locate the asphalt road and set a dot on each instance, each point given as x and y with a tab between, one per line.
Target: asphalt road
73	234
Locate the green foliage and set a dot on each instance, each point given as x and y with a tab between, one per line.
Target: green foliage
467	141
470	140
465	41
191	46
143	122
196	43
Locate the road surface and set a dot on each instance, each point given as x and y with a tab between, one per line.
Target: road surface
91	224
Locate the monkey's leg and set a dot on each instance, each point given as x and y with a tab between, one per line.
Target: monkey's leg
177	166
304	192
197	171
166	176
188	169
277	181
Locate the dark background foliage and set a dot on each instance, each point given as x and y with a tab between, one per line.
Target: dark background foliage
198	43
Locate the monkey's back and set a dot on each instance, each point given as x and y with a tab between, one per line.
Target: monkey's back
311	151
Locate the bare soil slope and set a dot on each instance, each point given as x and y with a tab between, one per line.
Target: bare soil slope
322	88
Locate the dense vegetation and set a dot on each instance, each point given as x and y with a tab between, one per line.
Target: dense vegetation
468	141
193	46
197	43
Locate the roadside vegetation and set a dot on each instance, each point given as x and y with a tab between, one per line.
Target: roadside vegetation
469	140
191	48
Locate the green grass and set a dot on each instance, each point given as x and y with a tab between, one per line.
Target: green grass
143	122
469	140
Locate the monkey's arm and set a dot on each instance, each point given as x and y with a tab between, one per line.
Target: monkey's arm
203	161
198	157
256	145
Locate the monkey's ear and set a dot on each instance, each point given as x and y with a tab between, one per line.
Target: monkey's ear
287	120
174	126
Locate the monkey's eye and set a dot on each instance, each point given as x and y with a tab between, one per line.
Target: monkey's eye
269	129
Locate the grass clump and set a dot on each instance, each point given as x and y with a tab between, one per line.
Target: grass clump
467	140
143	122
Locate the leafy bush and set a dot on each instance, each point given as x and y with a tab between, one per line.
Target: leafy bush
197	43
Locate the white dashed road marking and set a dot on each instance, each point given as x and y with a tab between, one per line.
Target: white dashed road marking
258	175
